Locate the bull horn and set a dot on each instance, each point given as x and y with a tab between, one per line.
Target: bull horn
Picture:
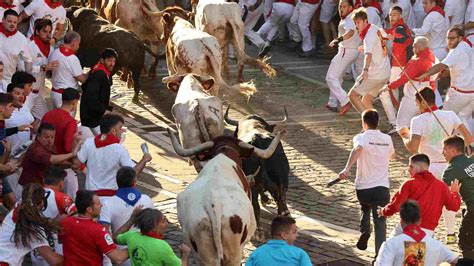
251	177
178	148
264	154
228	120
272	123
146	8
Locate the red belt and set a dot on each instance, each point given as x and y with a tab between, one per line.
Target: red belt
105	193
60	91
461	91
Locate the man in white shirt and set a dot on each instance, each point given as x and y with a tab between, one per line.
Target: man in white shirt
46	9
41	50
348	42
426	136
251	11
21	117
372	151
414	246
10	4
407	11
104	156
14	47
469	21
435	25
455	10
298	27
280	14
69	70
460	96
376	69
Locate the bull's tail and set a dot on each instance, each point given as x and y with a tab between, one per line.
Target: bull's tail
215	216
240	50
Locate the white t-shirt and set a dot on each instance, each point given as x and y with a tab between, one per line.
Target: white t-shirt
459	67
115	211
19	117
103	164
9	252
64	75
393	251
18	7
38	9
372	165
434	28
13	49
373	16
431	133
469	16
407	11
455	9
38	60
346	25
380	66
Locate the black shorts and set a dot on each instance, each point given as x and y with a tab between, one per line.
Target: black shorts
466	235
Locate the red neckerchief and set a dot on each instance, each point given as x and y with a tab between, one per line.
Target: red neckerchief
400	22
5	32
2	123
433	108
6	6
348	13
100	67
53	5
437	9
414	231
375	4
357	4
15	214
109	140
153	234
364	31
66	51
44	47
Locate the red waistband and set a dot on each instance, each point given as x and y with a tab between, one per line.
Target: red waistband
105	193
461	91
3	263
61	91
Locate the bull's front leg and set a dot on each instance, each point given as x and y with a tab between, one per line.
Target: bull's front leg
282	192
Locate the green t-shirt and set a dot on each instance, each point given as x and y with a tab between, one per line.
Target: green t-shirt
144	250
462	168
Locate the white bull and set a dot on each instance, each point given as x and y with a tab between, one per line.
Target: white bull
215	211
198	115
222	20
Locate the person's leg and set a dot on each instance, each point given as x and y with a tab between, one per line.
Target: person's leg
355	99
293	29
363	196
335	73
380	198
466	236
305	16
406	112
449	217
386	100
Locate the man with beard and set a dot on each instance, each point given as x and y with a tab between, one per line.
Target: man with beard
40	52
96	91
46	9
21	117
14	47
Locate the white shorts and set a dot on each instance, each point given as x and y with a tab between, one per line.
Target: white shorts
370	86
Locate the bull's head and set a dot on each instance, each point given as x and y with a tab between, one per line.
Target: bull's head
268	125
216	144
174	81
164	20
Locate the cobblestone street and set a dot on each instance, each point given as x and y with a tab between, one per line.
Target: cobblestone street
317	144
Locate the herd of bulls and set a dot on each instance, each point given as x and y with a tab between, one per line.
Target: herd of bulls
219	211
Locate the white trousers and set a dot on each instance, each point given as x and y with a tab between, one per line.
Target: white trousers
267	8
250	22
328	10
387	104
280	14
71	185
406	112
36	103
299	24
462	104
449	217
334	77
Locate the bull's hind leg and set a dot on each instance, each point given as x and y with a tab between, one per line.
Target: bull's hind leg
225	62
136	80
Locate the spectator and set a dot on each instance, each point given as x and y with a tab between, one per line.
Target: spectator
104	156
413	246
372	151
15	47
431	193
66	136
21	117
25	229
147	247
461	167
280	249
96	91
69	69
84	240
50	9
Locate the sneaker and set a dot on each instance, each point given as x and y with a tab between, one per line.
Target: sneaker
345	109
307	53
362	243
451	239
331	108
391	130
264	49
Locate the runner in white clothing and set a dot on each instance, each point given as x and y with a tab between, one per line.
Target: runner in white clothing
46	9
455	10
69	71
469	21
426	136
280	14
251	11
348	43
10	4
299	25
407	11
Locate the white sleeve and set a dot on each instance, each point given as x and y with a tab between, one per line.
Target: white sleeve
125	159
470	18
446	255
427	27
369	43
27	57
82	153
105	213
349	25
75	66
36	243
416	127
359	140
148	202
386	255
62	17
31	8
452	58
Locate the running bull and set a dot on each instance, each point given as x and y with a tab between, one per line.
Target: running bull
270	174
197	114
215	211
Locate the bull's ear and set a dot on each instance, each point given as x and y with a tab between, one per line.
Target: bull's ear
206	81
173	82
167	18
